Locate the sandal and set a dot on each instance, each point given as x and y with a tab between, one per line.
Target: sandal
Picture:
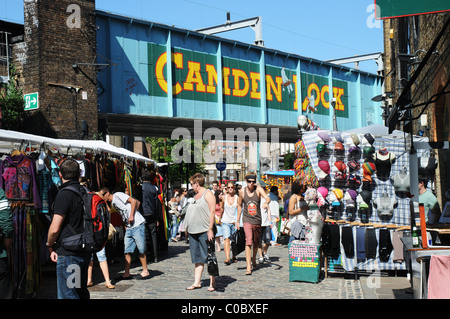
227	262
248	272
211	288
89	284
109	285
193	287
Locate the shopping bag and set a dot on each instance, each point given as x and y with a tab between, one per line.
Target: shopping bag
286	226
238	242
213	266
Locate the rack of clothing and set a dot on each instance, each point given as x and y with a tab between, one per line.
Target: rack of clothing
29	175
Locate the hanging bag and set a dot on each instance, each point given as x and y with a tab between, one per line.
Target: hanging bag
238	241
213	266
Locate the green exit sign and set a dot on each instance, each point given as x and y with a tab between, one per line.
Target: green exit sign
386	9
31	101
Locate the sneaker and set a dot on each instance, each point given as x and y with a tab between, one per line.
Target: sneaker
261	260
266	258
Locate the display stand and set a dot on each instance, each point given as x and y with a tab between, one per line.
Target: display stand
304	262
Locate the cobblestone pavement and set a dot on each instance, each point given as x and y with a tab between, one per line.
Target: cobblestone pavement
174	272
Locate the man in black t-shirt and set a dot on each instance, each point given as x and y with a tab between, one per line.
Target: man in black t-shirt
72	266
151	212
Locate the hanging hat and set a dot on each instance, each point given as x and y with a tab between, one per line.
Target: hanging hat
353	194
338	137
324	166
369	138
324	137
354	181
338	146
338	193
323	191
340	166
310	194
353	151
355	138
353	165
366	196
368	150
321	148
368	169
340	176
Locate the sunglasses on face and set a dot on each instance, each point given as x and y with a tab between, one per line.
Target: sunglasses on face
251	182
230	187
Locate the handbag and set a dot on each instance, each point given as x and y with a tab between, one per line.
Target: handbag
238	241
111	232
286	223
211	260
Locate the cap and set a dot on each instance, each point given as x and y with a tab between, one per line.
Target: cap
338	146
338	137
353	165
338	193
340	166
355	138
323	191
324	166
353	194
324	136
369	138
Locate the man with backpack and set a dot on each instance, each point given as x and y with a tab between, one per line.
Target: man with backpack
72	266
151	210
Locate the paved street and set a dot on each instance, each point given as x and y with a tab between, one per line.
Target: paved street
174	272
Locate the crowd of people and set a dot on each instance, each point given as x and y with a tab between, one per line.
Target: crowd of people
200	215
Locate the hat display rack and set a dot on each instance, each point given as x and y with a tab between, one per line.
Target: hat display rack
356	200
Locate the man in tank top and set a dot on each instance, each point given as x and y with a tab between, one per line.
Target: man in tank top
249	206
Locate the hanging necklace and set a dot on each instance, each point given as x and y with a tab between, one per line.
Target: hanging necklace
402	180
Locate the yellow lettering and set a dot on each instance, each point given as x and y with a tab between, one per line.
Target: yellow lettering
276	88
212	77
337	93
311	87
294	79
226	81
237	91
194	76
325	90
160	63
177	59
255	78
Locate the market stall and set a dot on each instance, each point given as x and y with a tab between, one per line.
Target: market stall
30	178
362	182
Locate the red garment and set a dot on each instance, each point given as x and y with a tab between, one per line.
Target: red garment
439	278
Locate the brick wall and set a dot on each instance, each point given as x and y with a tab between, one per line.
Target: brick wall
53	45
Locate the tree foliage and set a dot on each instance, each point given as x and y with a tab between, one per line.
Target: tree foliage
12	104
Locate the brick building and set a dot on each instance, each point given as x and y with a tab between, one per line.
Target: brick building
55	56
417	76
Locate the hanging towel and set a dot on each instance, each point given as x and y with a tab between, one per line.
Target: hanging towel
439	278
361	243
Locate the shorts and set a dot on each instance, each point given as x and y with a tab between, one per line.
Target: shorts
252	234
101	255
135	237
228	230
198	247
266	234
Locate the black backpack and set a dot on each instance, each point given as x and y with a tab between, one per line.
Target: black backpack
95	227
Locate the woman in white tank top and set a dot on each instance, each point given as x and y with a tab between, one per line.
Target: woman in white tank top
228	218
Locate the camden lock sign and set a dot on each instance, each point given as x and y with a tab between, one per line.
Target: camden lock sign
195	76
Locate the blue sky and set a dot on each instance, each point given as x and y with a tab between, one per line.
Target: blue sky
322	30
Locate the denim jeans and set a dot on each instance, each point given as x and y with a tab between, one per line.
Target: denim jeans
71	276
135	237
174	228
